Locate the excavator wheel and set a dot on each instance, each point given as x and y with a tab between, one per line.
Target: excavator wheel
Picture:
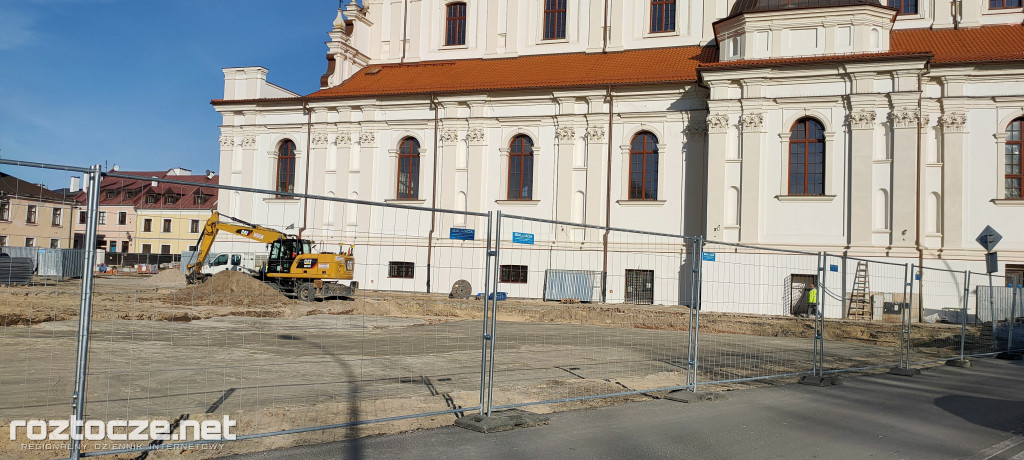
306	292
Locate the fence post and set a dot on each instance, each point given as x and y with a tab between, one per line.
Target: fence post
991	312
85	311
819	317
1019	296
487	290
695	294
494	311
910	305
904	315
963	314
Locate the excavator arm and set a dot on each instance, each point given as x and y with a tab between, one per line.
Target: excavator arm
215	225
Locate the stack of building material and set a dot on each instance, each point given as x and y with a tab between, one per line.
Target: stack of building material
15	270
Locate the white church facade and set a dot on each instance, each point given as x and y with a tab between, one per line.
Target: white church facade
849	126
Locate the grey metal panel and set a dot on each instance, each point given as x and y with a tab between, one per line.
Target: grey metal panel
72	263
570	284
188	257
48	262
17	251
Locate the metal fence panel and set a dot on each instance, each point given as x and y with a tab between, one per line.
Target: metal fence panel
564	350
758	286
941	299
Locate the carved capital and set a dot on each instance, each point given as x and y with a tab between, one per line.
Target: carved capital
449	136
595	133
475	136
862	119
319	139
696	129
953	122
752	121
227	141
565	133
249	142
367	138
344	138
718	123
907	117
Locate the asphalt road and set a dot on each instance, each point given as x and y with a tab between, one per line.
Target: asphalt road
946	412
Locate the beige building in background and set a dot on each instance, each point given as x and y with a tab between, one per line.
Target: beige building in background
34	216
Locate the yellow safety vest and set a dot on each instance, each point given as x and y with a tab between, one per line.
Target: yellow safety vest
812	297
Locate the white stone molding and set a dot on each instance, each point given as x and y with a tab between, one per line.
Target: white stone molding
475	136
565	133
953	122
343	138
863	119
752	121
718	123
249	142
595	133
367	138
227	141
320	139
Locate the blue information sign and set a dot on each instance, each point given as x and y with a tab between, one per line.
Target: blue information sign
708	256
522	238
833	268
462	234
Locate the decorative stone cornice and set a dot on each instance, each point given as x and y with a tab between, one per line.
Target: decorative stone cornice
475	136
249	142
752	121
565	133
953	122
319	139
908	117
595	133
449	136
862	119
718	123
367	138
343	138
227	141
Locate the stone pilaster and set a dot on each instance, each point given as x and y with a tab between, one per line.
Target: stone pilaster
862	124
954	136
718	129
752	126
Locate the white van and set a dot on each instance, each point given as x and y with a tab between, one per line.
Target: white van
244	262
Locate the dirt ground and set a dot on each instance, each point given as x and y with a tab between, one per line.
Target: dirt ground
234	346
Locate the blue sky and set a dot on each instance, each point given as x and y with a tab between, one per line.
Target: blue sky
129	82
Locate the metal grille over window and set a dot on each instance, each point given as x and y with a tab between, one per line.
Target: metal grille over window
401	269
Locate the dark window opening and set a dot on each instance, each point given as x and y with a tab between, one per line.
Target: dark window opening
520	168
286	167
513	274
401	269
408	169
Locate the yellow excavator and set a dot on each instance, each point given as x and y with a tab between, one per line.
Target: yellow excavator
291	266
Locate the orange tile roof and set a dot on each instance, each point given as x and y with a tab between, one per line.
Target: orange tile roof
960	46
659	65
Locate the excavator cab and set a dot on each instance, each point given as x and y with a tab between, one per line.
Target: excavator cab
283	253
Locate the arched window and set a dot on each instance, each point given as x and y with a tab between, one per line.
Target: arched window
520	168
455	24
554	19
1014	145
286	166
807	158
904	6
663	16
643	167
408	169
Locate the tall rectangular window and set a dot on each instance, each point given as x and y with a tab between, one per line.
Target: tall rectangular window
5	211
286	166
103	218
193	226
663	16
30	216
147	225
57	219
122	218
82	217
147	248
554	19
167	226
165	249
455	24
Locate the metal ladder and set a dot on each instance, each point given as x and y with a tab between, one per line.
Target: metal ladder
860	298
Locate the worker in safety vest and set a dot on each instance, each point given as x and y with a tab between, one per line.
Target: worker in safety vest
812	300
